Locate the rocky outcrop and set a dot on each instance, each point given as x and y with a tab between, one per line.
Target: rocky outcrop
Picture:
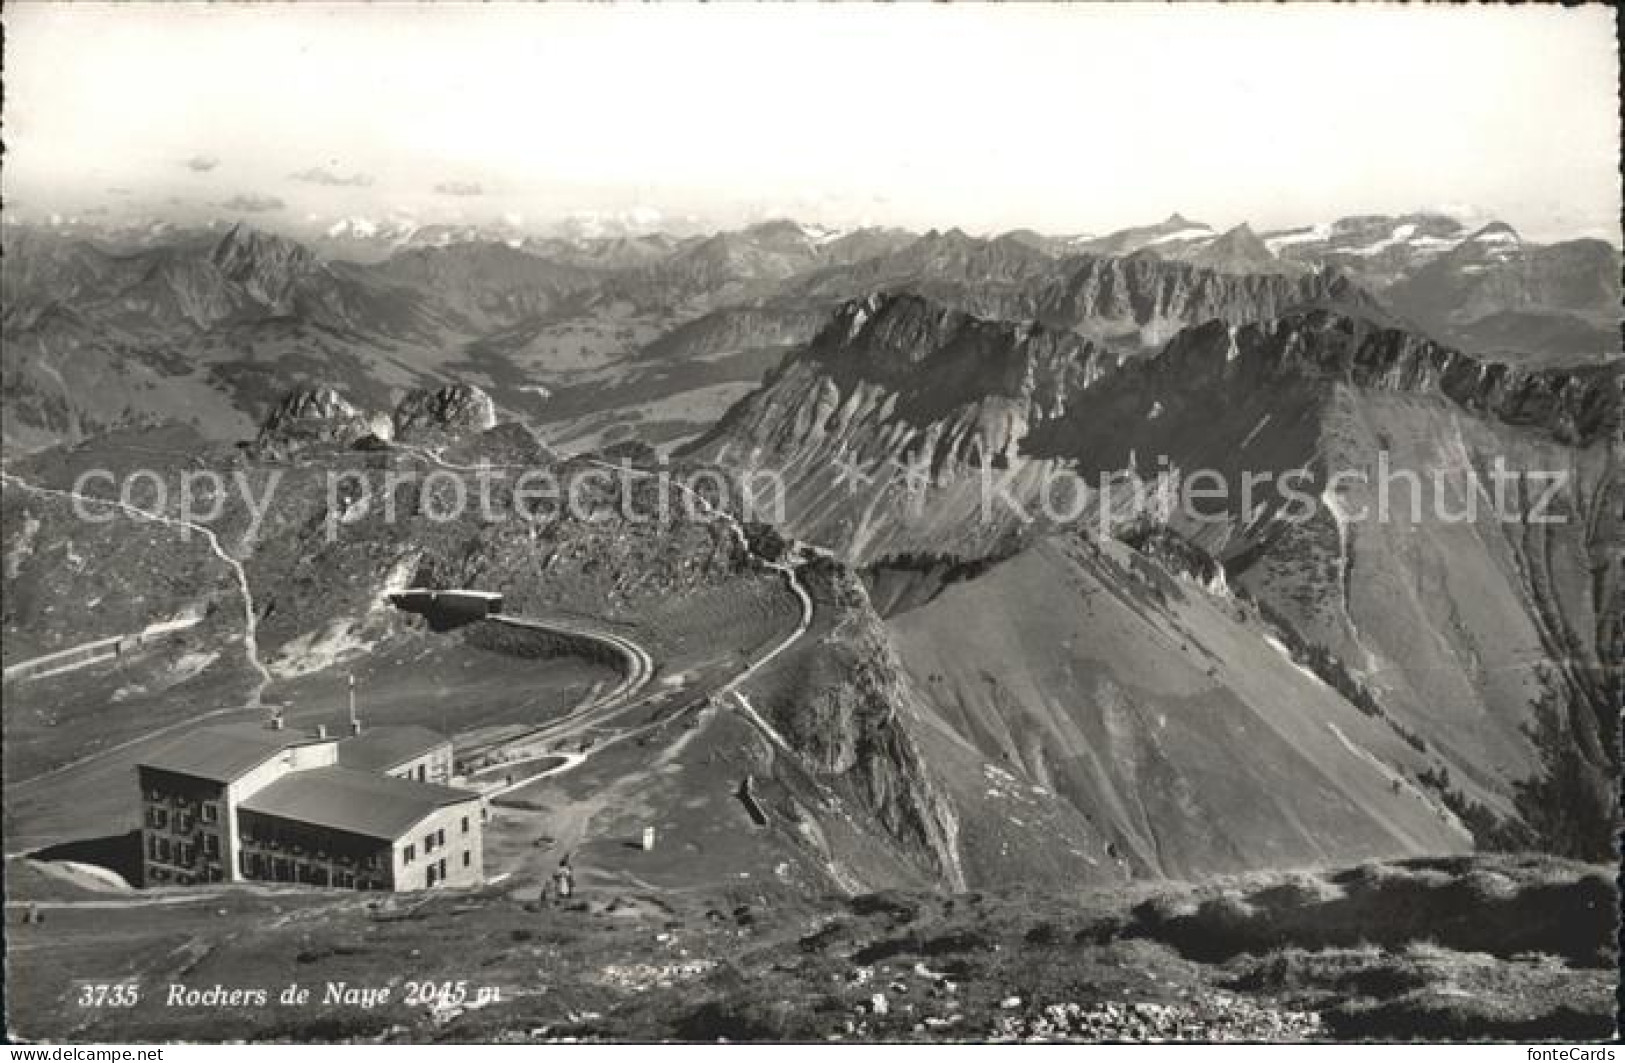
843	707
319	415
1177	554
454	409
896	378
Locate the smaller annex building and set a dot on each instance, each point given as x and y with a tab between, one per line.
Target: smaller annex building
246	803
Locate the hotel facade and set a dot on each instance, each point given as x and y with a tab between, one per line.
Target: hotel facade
372	810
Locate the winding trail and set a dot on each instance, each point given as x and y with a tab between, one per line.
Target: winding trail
792	578
251	649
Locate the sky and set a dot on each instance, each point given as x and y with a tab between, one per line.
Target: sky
1065	118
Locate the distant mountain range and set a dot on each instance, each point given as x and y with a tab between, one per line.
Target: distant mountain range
107	323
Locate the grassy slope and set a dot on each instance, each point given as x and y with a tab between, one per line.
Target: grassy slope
1452	624
1159	713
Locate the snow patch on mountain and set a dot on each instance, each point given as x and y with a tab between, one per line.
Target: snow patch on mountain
1315	233
1197	232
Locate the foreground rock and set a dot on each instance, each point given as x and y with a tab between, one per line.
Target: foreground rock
456	408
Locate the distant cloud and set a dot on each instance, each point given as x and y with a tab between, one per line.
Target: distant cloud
459	188
201	163
253	203
321	175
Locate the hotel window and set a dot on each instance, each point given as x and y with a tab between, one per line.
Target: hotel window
163	849
158	818
465	824
411	853
211	845
211	812
465	857
428	842
440	837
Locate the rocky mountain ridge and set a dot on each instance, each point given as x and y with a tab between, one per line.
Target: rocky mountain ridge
1576	405
892	430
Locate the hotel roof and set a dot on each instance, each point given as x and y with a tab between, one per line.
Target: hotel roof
383	748
358	802
224	753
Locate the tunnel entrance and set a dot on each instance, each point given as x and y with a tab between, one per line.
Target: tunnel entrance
446	610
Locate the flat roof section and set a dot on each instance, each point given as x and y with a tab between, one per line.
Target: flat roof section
224	753
383	748
357	802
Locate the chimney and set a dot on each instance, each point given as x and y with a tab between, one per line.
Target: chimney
355	721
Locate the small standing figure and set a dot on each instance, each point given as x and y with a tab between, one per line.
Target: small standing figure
564	885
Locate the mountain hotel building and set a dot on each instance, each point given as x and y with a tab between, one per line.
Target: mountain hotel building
246	803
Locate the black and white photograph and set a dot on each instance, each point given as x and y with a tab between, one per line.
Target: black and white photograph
812	525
